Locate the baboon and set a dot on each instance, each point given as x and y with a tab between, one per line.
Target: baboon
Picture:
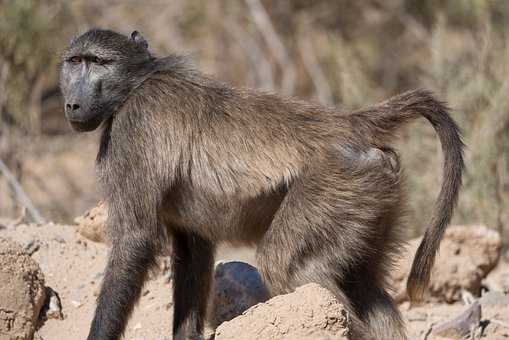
189	161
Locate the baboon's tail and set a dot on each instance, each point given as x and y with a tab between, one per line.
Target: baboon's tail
381	122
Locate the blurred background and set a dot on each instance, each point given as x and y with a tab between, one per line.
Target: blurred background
337	52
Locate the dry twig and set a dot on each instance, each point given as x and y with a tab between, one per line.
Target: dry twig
315	72
20	193
262	21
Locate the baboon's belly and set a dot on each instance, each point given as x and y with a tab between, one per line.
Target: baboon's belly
220	218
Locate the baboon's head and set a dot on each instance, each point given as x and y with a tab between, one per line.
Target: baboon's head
98	70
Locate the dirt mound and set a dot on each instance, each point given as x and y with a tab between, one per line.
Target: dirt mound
21	294
467	254
311	312
91	224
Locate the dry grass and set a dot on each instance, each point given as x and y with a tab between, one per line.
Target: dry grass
343	53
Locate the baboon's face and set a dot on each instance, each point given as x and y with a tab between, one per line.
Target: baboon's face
98	71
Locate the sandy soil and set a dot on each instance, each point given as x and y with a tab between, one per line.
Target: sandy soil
73	267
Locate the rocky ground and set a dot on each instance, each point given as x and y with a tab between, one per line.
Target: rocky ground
469	266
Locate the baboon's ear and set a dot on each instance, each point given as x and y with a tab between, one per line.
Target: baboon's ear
138	38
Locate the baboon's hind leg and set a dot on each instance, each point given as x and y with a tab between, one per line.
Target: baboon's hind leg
340	240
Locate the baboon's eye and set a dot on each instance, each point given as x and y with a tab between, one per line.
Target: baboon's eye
75	60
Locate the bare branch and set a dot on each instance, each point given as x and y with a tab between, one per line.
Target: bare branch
261	65
264	25
314	70
20	193
4	76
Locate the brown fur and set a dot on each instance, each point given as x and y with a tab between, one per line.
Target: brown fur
191	159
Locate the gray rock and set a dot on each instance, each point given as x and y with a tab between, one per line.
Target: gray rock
237	286
461	326
52	308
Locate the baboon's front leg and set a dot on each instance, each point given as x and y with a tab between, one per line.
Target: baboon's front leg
130	258
192	268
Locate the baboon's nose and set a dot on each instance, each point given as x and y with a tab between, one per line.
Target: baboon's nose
72	107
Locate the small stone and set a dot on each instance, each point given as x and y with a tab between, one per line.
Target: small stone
59	239
52	308
32	246
92	224
76	304
237	286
